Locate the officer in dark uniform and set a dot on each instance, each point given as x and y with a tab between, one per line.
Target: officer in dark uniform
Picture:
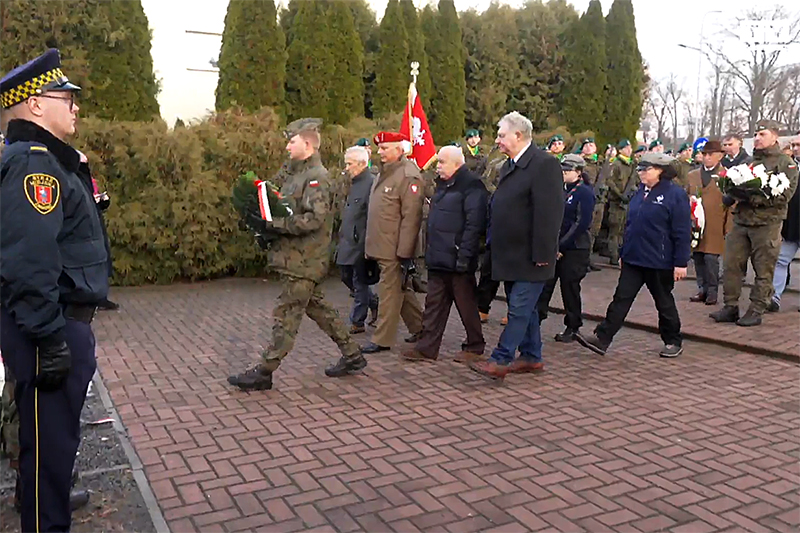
53	273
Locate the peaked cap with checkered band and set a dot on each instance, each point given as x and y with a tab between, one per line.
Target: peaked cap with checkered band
34	77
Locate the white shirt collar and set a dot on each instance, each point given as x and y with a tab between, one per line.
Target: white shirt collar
516	157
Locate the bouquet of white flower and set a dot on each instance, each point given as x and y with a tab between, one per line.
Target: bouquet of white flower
742	181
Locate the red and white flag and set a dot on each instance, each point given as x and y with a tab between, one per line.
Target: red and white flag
415	127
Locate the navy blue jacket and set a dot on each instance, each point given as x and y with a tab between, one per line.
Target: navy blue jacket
578	210
456	223
52	247
658	231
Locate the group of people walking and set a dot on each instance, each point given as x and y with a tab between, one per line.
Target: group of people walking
532	228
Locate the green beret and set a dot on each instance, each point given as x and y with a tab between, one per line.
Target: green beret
623	143
555	138
363	141
472	133
641	148
586	141
655	143
683	147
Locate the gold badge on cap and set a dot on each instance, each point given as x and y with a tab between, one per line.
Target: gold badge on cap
43	192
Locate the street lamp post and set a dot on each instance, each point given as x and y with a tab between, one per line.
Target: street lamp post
695	125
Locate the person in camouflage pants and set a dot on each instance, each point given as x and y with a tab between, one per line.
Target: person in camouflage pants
756	233
301	258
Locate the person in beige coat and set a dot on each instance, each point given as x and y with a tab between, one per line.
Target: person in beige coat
702	182
393	223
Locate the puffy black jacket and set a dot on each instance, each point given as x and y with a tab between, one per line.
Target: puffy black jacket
456	223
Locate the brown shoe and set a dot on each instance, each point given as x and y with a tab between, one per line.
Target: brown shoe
467	357
489	368
521	366
504	321
414	355
355	330
484	317
699	297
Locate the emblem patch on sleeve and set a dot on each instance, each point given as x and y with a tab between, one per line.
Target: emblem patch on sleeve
414	188
43	192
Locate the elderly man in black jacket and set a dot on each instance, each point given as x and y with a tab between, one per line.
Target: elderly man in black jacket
524	224
456	222
352	236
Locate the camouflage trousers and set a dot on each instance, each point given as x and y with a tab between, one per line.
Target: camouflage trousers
9	421
597	223
759	244
304	297
616	229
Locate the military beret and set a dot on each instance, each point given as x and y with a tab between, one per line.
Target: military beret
641	148
586	141
572	162
656	159
33	78
623	143
555	138
302	124
389	137
472	133
454	143
768	125
655	143
363	141
684	146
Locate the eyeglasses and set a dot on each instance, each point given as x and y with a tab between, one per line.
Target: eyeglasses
71	99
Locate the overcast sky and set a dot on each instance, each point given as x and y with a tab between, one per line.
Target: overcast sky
660	27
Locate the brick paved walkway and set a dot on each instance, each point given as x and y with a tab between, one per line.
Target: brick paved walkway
629	442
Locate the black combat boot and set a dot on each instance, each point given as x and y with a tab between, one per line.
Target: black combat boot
346	365
750	318
728	313
254	378
569	335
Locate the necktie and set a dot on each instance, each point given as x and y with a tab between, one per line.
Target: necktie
511	165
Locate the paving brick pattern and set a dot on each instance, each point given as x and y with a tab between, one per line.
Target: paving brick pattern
629	442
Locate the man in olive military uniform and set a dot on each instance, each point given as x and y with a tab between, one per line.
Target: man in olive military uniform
621	185
393	226
54	274
555	146
593	164
592	161
756	233
685	164
474	157
300	256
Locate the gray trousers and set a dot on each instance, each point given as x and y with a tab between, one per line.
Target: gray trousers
707	268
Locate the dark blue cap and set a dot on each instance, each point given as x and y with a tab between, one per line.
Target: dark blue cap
34	77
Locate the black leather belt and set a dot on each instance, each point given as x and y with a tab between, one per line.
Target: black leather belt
81	313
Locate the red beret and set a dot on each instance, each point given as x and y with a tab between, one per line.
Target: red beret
389	137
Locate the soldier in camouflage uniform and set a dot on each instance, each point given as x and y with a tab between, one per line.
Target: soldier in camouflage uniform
300	256
756	233
621	185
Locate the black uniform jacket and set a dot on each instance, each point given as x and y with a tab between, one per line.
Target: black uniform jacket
52	251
